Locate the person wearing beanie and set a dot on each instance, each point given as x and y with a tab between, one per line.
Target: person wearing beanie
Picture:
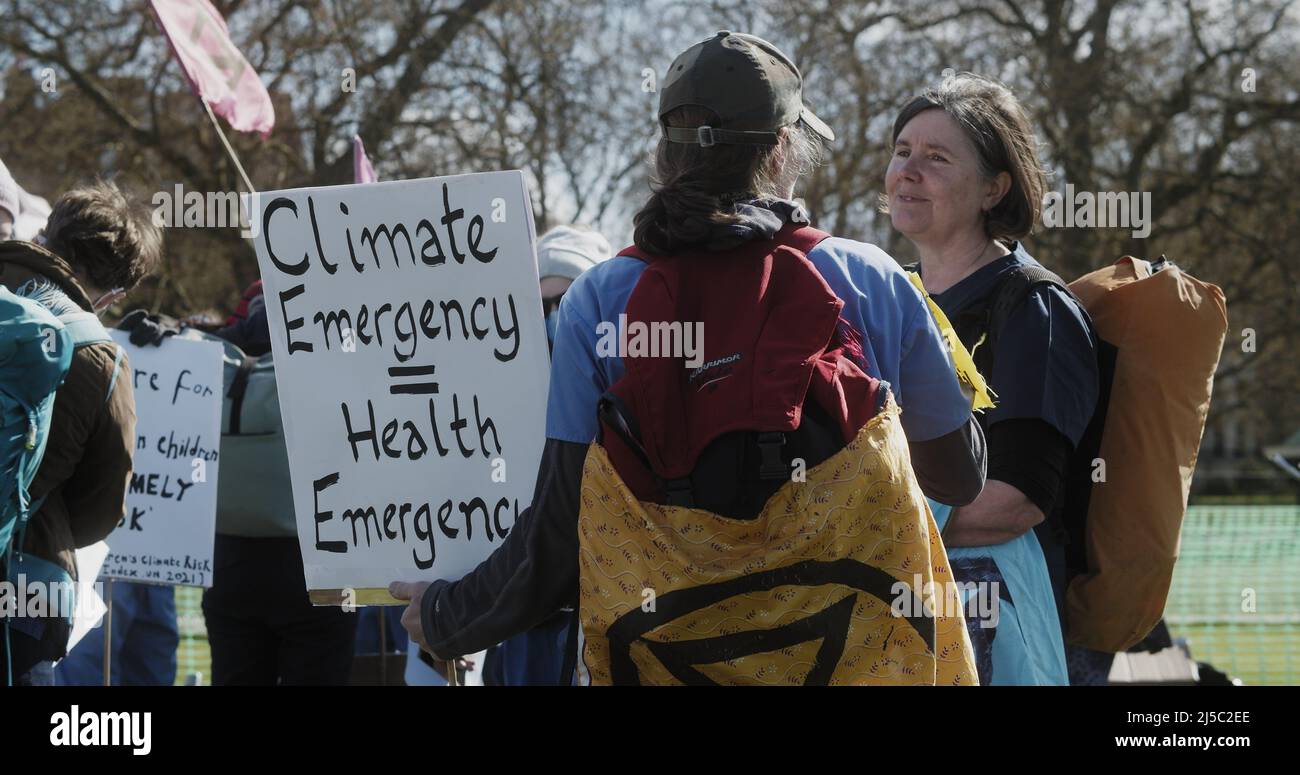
536	657
33	212
563	254
22	214
568	251
10	195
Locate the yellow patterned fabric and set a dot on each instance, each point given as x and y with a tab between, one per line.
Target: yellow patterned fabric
821	588
972	382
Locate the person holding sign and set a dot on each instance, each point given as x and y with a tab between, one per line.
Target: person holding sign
807	344
262	629
99	244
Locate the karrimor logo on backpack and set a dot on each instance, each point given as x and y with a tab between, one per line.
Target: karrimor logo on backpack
714	371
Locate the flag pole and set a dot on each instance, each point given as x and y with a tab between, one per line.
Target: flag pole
229	150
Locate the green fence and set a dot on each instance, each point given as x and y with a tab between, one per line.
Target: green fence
1235	596
1236	591
192	656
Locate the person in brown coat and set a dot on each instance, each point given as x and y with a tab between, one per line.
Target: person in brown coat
98	244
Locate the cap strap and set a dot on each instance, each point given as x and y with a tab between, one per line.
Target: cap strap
706	136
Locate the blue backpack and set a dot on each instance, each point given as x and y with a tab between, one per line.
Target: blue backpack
40	328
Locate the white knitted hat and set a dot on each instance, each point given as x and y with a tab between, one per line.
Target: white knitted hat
568	251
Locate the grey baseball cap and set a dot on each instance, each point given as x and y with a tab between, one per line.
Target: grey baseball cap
752	87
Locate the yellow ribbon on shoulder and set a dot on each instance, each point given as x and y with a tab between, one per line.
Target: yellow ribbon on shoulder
971	381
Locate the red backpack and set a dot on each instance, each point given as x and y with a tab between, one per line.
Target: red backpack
725	437
704	556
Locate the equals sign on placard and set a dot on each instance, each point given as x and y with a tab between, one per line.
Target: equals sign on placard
420	388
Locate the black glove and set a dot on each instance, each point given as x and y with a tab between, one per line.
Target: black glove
148	329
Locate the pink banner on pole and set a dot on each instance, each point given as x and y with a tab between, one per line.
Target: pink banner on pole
216	70
362	172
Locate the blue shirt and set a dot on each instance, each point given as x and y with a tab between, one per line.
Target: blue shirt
1046	363
901	343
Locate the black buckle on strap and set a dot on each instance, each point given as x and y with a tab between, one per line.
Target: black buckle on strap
771	466
679	492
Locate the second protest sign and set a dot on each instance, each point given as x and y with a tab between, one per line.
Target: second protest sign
165	537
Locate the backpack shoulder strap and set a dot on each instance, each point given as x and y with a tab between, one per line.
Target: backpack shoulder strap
85	329
1015	288
802	238
632	251
1011	292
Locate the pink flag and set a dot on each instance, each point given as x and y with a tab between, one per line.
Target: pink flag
217	72
362	172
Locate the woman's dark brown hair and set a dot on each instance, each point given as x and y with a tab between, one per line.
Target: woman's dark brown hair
105	233
694	188
999	129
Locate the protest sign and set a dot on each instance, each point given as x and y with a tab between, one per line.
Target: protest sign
411	361
166	536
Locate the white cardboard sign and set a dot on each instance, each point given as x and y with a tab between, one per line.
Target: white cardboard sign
412	364
166	536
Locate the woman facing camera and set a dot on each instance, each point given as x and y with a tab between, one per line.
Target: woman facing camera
965	185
